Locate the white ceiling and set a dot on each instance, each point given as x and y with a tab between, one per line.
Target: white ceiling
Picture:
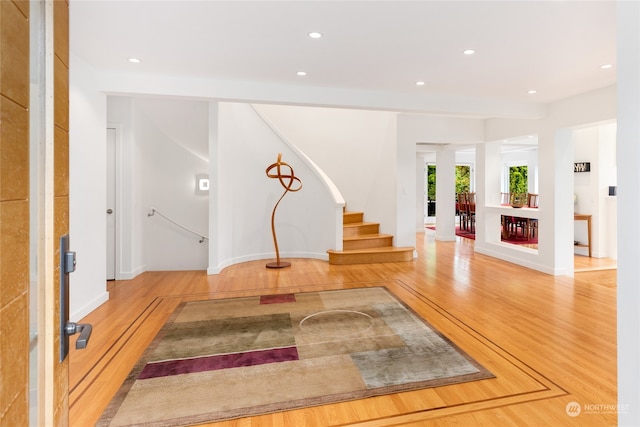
554	47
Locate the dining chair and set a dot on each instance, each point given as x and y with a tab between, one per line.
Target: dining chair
462	209
509	222
532	223
471	211
528	226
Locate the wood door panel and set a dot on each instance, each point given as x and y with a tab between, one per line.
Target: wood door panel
61	94
61	36
61	193
14	248
14	146
14	213
61	163
14	59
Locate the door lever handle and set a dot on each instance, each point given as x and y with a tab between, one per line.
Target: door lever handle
85	332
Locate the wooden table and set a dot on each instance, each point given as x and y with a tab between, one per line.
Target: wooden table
585	217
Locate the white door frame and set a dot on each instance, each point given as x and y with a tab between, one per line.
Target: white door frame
114	182
112	206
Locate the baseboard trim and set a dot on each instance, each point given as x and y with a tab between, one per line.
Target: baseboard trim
128	275
256	257
88	308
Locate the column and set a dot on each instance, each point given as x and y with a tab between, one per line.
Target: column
445	195
628	158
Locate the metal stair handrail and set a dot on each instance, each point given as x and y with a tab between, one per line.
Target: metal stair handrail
155	211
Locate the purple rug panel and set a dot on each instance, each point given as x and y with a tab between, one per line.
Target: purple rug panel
277	299
213	363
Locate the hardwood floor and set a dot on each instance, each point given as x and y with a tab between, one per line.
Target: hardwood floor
549	341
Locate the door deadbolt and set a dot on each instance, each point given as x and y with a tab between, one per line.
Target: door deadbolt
109	211
68	266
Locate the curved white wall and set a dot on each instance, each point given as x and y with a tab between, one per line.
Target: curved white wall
305	221
355	148
170	138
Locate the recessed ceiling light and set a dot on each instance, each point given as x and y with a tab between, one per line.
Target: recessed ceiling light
315	35
419	83
134	60
531	92
469	52
301	73
606	66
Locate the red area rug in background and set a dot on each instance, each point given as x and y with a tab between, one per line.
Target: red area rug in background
515	239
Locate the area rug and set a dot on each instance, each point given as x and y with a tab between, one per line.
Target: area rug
223	359
513	238
459	232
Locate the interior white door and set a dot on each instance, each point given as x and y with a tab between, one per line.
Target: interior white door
111	204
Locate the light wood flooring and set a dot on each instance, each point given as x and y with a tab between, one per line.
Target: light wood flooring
550	341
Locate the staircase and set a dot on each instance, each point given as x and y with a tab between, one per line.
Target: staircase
363	244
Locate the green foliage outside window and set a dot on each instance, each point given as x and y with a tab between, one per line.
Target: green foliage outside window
431	182
518	182
463	179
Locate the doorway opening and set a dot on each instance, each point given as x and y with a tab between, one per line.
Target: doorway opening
463	185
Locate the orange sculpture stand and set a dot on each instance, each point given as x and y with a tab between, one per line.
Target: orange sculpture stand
287	180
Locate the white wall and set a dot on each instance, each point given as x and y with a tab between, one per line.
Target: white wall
405	189
628	159
305	221
163	145
171	144
421	194
87	190
441	130
355	148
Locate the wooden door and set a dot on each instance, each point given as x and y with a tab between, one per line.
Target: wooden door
54	408
34	206
14	212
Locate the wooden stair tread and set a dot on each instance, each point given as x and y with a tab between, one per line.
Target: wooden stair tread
363	244
382	249
367	236
358	224
352	217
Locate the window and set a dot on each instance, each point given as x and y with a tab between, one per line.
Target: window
463	184
518	180
463	178
431	190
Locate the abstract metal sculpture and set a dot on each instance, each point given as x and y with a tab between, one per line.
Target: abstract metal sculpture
287	180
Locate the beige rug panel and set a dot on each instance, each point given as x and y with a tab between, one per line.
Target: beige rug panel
356	298
244	307
237	388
